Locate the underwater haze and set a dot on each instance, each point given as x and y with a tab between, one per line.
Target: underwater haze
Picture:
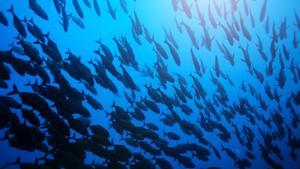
146	84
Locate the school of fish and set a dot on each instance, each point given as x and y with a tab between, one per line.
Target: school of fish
54	118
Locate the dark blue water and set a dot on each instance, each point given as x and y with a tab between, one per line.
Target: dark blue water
234	99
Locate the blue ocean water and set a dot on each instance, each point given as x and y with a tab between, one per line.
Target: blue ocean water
232	99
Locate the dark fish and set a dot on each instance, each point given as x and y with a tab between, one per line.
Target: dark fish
31	99
78	22
178	25
160	50
196	63
246	7
17	22
128	80
31	51
263	11
93	102
163	163
4	71
186	8
281	78
35	30
124	5
136	23
148	37
200	15
10	102
252	21
37	9
228	34
31	117
172	135
175	5
57	5
170	38
174	53
267	25
217	67
191	34
211	17
87	3
206	39
65	19
52	53
3	19
78	8
297	20
152	105
245	31
96	7
3	84
111	11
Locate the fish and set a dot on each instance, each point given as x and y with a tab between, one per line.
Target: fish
54	112
191	34
37	9
199	14
112	11
78	9
57	6
207	39
78	22
96	7
124	6
87	3
297	21
263	11
175	5
3	19
186	8
174	53
18	23
245	31
196	63
35	30
65	19
31	51
211	17
51	52
160	50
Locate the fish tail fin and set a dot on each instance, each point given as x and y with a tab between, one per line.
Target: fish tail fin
31	20
47	35
11	9
143	99
25	19
14	91
37	42
90	61
193	154
113	104
98	41
18	161
19	37
97	52
222	146
68	52
28	83
36	83
11	44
